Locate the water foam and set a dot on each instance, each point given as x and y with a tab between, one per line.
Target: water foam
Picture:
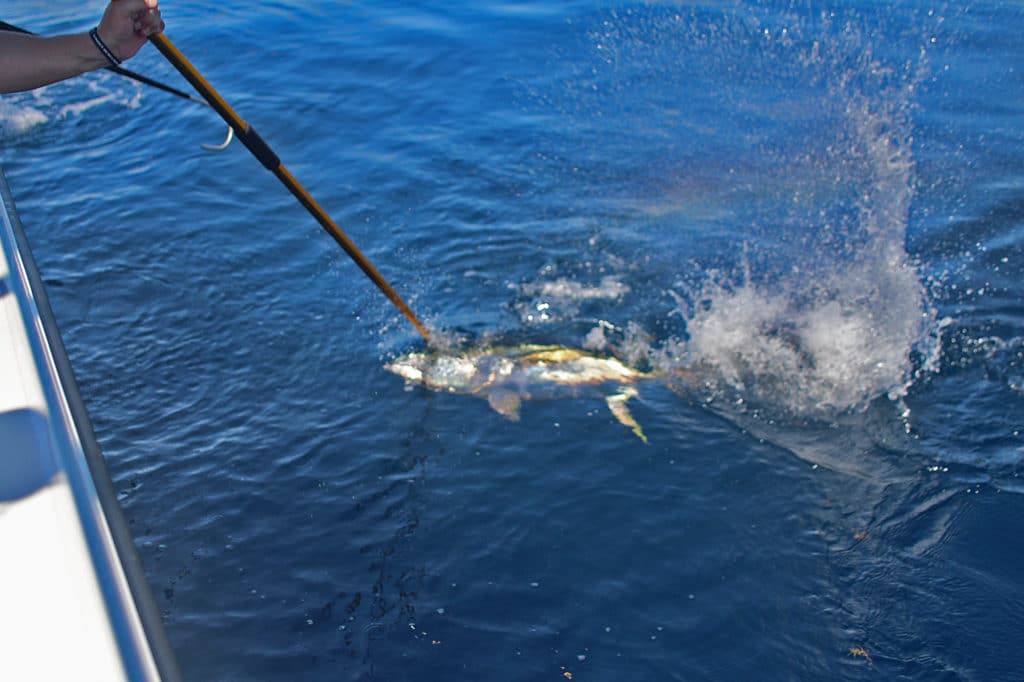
23	113
551	300
17	119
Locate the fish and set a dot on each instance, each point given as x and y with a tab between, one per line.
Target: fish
506	376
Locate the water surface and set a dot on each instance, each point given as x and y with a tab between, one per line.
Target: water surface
818	211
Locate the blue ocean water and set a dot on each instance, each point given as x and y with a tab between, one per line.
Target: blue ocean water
810	217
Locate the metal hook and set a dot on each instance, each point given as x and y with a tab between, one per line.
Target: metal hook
223	145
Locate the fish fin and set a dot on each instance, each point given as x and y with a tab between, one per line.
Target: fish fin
505	403
617	404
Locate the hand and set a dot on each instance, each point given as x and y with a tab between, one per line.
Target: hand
126	24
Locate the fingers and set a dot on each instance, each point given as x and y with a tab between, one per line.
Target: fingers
148	23
126	24
144	15
148	20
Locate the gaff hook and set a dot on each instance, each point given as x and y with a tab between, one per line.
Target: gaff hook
223	145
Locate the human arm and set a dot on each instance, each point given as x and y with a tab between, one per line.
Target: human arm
28	62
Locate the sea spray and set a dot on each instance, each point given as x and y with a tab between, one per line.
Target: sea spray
849	340
826	311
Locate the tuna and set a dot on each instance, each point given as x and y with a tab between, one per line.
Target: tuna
505	377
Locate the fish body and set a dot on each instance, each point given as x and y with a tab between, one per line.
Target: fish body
507	376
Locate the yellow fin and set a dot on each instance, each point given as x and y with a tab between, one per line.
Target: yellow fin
617	404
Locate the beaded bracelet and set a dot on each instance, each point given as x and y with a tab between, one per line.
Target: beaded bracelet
102	47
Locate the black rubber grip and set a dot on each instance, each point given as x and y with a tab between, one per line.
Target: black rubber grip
260	149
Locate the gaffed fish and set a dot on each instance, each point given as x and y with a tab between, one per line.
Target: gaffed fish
505	377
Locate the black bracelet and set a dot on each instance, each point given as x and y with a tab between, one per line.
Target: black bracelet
102	47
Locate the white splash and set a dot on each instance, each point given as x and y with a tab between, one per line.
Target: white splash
849	340
848	320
